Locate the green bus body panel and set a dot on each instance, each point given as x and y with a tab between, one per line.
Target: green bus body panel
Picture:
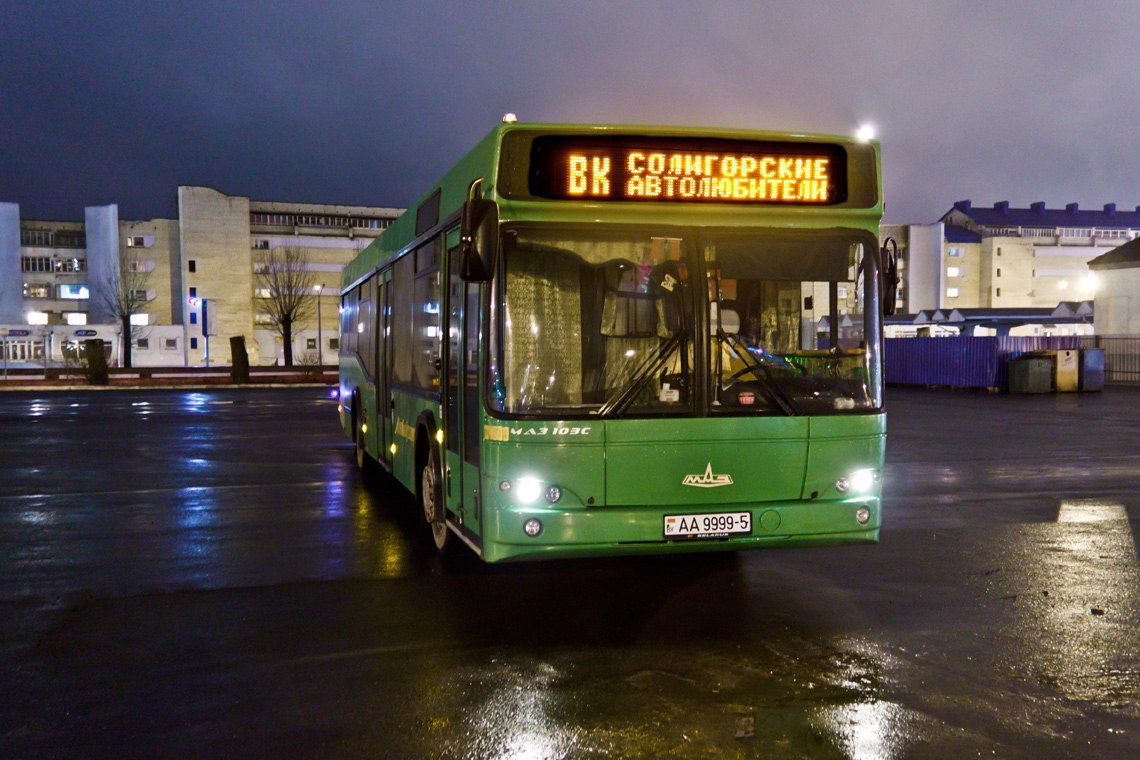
648	460
840	446
634	471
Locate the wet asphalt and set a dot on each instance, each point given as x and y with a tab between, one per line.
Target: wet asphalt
204	574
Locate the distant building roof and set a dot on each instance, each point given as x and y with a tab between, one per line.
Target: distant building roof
1064	312
1001	215
1126	256
956	234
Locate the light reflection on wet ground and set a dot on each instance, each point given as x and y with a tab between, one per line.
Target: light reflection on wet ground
221	578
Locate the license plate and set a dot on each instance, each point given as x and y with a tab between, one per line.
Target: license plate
712	525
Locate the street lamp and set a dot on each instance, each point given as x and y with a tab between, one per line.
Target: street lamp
320	289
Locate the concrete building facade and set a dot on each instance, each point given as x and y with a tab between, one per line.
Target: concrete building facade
1118	295
1002	257
59	279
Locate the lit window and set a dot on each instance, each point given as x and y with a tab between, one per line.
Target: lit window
952	271
951	292
136	242
954	251
76	318
140	320
73	292
37	318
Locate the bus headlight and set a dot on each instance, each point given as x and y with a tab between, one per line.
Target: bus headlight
528	490
860	481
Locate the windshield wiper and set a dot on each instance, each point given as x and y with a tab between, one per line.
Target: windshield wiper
649	367
760	372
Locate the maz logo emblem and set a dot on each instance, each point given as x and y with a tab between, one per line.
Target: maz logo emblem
707	480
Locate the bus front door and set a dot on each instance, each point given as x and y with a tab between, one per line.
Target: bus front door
462	410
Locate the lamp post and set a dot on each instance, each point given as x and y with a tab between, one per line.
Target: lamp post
320	289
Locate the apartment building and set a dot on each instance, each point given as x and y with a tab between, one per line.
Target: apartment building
1002	257
59	280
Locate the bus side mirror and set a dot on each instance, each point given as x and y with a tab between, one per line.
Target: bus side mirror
478	237
890	276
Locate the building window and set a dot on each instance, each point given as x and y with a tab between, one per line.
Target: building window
192	265
952	271
997	292
170	344
998	272
35	264
69	266
72	292
140	266
193	317
75	317
140	320
954	251
138	294
999	251
193	292
37	290
143	344
334	344
37	318
136	242
951	292
193	343
311	344
261	245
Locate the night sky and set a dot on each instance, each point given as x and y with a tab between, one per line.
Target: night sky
369	102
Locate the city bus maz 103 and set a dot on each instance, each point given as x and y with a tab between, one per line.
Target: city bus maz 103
599	340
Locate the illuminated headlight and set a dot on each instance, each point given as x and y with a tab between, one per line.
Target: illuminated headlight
528	490
862	515
860	481
532	527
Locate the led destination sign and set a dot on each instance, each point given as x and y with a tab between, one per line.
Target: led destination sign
687	170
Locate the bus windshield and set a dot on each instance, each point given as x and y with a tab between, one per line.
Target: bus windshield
637	322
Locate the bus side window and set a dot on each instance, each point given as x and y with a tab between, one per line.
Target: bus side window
348	321
403	274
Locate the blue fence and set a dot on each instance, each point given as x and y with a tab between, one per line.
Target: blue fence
962	362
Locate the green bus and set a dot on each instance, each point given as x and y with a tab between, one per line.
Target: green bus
613	340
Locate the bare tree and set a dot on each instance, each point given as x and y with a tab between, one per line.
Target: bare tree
286	290
122	295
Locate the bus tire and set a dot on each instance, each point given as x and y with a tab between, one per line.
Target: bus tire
431	496
358	436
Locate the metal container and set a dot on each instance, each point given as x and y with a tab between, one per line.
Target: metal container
1066	377
1031	374
1091	369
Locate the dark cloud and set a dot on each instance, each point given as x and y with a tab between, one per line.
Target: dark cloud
367	102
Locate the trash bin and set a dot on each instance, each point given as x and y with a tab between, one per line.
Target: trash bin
1031	373
1091	369
1068	370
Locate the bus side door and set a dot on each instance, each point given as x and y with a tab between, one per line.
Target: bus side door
462	406
383	350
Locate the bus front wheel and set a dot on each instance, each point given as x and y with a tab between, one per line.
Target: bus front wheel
432	498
